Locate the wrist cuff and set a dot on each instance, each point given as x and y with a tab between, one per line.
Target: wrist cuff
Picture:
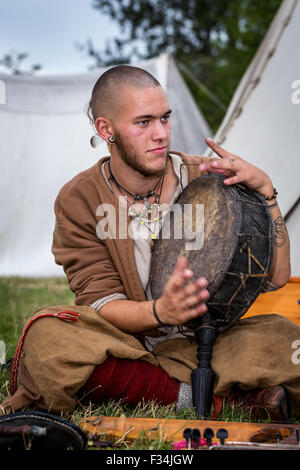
155	314
270	198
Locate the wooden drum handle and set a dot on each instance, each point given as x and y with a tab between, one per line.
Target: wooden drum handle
203	377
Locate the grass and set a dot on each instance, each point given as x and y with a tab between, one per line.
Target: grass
149	410
19	298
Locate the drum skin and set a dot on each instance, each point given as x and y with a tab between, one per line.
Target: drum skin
234	253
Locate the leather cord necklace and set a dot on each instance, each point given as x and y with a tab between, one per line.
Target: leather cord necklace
137	197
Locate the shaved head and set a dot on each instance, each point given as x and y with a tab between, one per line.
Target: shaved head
107	92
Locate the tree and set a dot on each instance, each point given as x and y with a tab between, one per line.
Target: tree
13	62
212	41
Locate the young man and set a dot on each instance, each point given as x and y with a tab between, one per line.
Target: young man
124	345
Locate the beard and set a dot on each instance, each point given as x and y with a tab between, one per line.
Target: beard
132	159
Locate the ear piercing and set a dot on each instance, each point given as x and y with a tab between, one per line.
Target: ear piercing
94	140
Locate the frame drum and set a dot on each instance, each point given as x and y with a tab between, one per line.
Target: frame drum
227	237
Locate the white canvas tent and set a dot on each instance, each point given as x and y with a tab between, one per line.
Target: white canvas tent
45	142
262	123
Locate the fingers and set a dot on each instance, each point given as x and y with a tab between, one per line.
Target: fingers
195	287
180	275
236	169
218	150
219	165
194	300
233	180
228	165
193	294
214	167
196	311
183	300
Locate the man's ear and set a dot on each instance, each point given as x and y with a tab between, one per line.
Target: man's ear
103	127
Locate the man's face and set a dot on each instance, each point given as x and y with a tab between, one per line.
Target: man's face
142	129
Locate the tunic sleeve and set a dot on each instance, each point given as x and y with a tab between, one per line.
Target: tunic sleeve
86	261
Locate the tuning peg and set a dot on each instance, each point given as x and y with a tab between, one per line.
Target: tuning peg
208	434
222	434
187	434
195	435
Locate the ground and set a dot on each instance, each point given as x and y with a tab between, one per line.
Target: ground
19	298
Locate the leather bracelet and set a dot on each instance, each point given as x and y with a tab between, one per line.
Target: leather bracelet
155	314
270	198
271	206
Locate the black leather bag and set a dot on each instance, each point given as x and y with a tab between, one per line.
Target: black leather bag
37	430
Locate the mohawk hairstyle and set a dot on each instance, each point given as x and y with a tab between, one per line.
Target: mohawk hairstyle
108	86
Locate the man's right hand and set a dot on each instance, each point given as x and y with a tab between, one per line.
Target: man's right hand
182	301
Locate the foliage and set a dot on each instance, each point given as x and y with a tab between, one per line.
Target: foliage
216	40
13	63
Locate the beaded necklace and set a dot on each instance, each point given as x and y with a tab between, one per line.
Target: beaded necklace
148	208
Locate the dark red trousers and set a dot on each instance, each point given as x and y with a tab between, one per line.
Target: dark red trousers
132	381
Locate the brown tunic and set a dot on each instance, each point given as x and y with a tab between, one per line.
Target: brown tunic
96	268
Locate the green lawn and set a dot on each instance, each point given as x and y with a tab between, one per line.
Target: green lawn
20	297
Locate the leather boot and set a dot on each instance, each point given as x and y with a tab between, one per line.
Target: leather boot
264	403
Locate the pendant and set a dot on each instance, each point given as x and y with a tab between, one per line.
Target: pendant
152	241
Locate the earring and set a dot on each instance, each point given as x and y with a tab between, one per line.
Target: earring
94	140
111	139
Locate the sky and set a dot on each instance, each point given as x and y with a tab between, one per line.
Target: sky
48	30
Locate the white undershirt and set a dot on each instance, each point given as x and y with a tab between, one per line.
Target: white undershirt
141	233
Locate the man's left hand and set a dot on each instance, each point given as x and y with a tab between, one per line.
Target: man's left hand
237	170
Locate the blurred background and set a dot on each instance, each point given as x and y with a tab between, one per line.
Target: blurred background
231	70
212	42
